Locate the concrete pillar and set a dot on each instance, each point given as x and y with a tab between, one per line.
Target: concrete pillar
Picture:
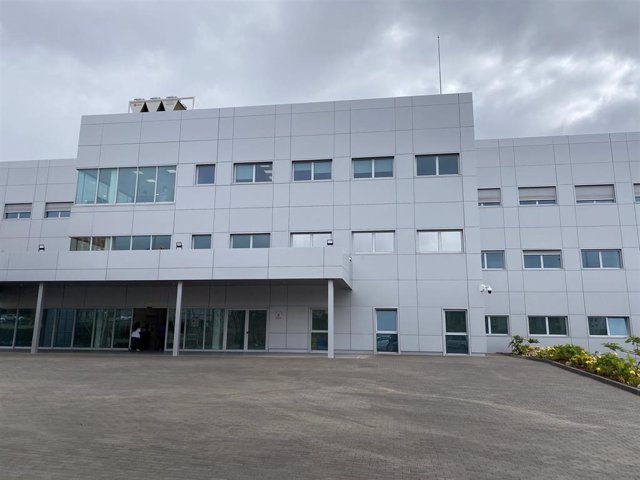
331	326
176	322
35	339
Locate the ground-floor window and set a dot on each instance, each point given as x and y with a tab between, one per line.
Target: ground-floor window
16	327
319	330
456	338
496	324
85	328
609	326
547	325
386	330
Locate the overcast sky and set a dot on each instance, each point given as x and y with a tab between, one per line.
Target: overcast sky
535	67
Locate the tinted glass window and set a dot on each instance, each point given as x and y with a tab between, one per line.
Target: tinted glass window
87	183
552	261
244	173
386	320
537	326
146	185
205	174
557	326
495	260
448	164
240	241
597	326
532	261
499	325
455	321
590	259
383	241
362	168
127	178
451	241
611	259
322	170
300	240
107	185
383	167
618	326
263	172
261	241
166	184
428	241
161	242
426	165
140	242
121	243
319	320
363	242
201	241
302	171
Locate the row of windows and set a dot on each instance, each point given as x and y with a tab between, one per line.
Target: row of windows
23	210
585	194
552	259
311	170
557	325
121	242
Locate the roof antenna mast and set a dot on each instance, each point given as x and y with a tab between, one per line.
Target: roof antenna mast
439	69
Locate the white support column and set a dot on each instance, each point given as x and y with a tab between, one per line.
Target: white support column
35	339
331	329
176	322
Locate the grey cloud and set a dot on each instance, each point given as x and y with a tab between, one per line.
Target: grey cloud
535	67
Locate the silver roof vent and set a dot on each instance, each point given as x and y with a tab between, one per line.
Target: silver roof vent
159	104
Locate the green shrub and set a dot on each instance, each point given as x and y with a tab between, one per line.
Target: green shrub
520	345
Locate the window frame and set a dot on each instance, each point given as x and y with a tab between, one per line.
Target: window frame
312	330
254	166
600	261
385	332
437	163
439	232
541	254
61	209
610	201
194	236
538	202
484	263
492	203
312	235
17	211
251	240
372	161
313	170
607	317
373	234
636	193
546	318
488	329
199	184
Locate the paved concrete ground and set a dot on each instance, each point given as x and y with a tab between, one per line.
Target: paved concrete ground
106	416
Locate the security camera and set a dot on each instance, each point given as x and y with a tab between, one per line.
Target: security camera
489	290
486	288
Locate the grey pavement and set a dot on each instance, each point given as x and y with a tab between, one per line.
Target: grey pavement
106	416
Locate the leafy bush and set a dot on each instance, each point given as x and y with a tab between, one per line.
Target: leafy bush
520	345
561	353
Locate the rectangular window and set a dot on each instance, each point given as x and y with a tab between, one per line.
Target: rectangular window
457	340
430	165
57	210
537	195
548	326
201	242
595	194
496	324
121	243
251	240
493	259
140	242
542	259
609	326
373	242
17	210
601	259
253	172
312	170
636	192
386	330
319	330
87	184
126	185
489	197
80	244
205	174
440	241
373	167
160	242
307	240
100	243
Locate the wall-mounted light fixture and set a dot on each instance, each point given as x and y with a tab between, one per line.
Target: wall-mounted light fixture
179	245
41	247
330	241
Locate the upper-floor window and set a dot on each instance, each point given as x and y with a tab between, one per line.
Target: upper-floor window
429	165
609	326
595	194
492	259
537	195
547	325
318	239
17	210
57	210
126	185
601	259
124	242
201	242
312	170
636	192
440	241
373	242
489	197
496	324
205	174
250	240
253	172
548	259
373	167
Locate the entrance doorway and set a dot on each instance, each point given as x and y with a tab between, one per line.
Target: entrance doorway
246	330
152	322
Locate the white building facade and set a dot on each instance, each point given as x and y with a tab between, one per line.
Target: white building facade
376	225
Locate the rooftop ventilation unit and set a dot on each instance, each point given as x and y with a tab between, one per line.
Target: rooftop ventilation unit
158	104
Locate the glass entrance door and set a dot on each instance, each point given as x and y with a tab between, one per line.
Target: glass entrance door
246	330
